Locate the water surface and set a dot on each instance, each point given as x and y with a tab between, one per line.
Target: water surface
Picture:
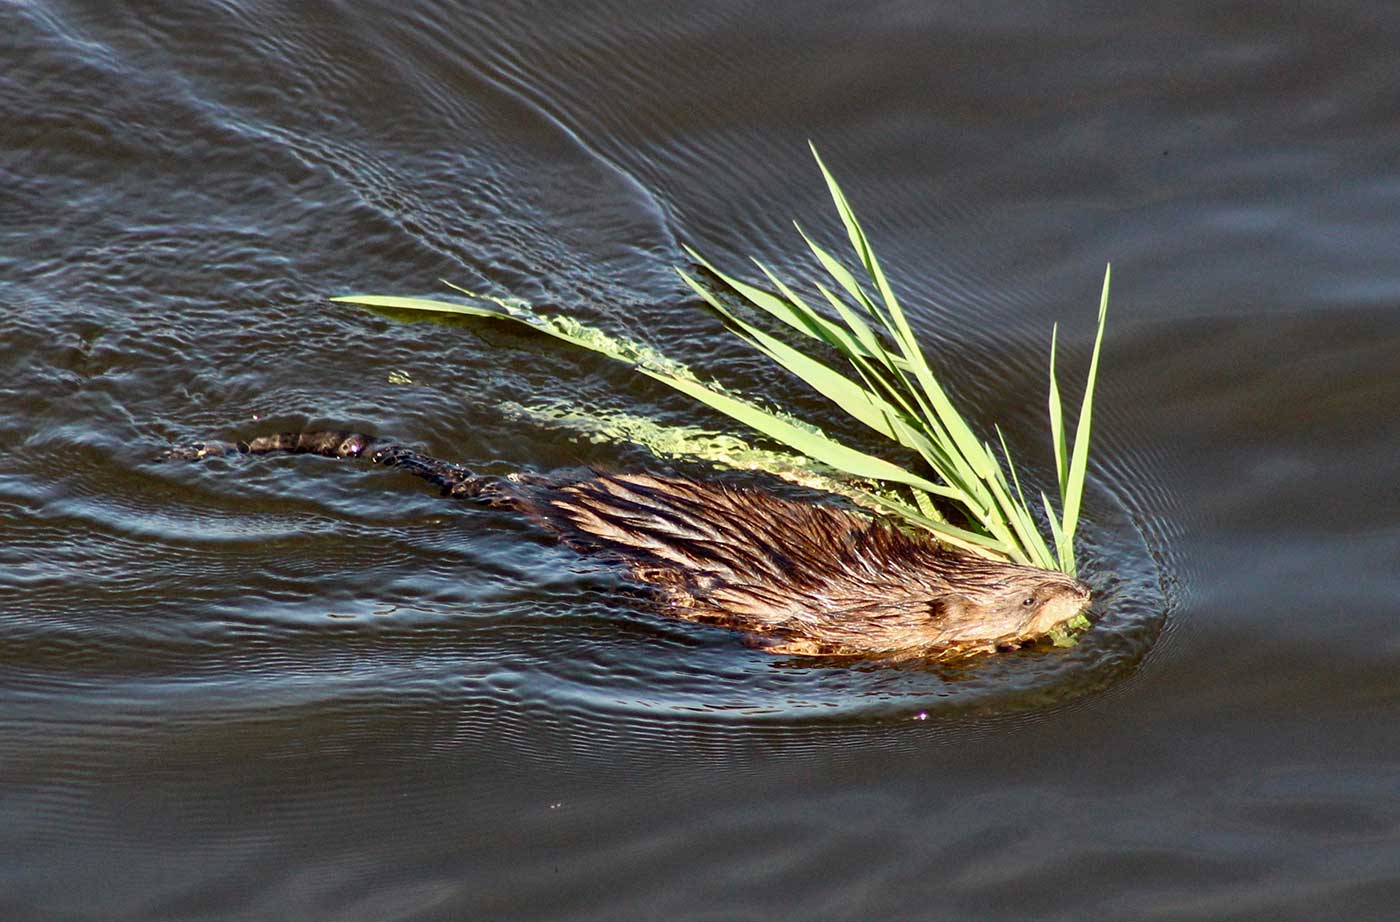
282	687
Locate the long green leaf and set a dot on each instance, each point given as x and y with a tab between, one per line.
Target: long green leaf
470	310
1057	423
938	450
898	327
1064	552
1023	510
811	444
859	242
967	441
836	387
817	447
843	277
422	304
1078	466
969	540
811	324
846	341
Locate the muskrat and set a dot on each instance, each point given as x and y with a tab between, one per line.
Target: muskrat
795	577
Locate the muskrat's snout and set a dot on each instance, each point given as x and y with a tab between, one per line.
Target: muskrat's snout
1053	603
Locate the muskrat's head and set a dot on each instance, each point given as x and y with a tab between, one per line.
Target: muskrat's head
1018	604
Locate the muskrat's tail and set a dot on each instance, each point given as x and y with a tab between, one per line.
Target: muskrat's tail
453	479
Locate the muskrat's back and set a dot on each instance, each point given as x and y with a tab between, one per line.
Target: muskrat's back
805	577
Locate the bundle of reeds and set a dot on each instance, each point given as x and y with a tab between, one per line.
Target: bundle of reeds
962	493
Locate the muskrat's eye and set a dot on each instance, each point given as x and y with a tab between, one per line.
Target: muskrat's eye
1028	601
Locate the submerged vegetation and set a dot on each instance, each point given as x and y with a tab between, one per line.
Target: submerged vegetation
962	492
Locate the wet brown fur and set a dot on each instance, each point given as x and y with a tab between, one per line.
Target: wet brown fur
799	578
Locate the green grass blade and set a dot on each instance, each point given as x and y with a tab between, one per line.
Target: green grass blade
470	310
1023	510
859	242
809	323
899	420
1052	559
818	447
843	277
846	341
422	304
1010	465
974	453
1057	424
815	446
898	327
860	403
871	349
935	420
967	442
881	370
1079	462
1064	552
934	445
958	446
926	506
961	537
1010	519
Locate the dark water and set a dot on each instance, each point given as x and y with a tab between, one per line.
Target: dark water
286	688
